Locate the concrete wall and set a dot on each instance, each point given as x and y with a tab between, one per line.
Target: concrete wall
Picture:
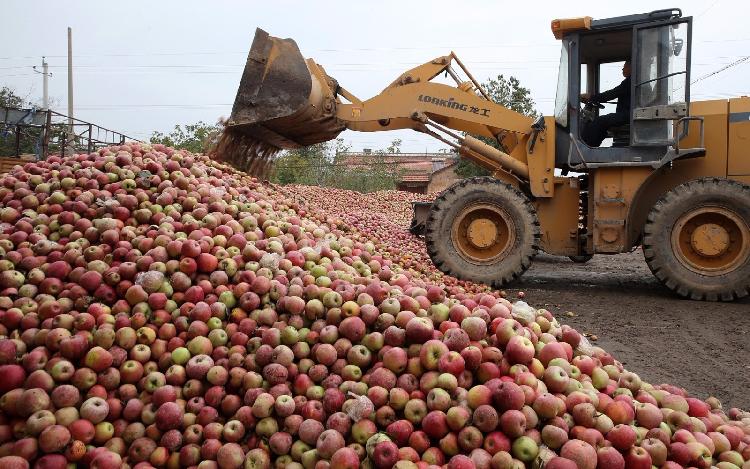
442	179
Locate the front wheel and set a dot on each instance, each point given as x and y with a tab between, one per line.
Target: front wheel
482	230
697	240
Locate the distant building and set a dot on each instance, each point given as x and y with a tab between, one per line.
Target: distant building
416	170
443	178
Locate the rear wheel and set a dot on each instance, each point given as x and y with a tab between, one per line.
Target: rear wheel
697	239
482	230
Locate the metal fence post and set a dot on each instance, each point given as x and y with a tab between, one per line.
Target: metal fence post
18	140
47	131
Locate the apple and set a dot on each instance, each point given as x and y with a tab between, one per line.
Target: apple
385	455
556	379
430	353
54	439
638	458
14	462
479	395
419	330
525	449
562	463
552	350
485	418
395	359
546	405
435	424
656	449
554	437
344	458
622	437
456	339
519	349
585	414
609	458
230	455
469	438
415	410
581	452
328	442
461	461
452	362
513	423
508	396
620	412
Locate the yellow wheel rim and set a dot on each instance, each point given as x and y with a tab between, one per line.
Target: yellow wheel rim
711	241
483	233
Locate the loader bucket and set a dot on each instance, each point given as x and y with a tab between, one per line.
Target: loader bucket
420	214
283	102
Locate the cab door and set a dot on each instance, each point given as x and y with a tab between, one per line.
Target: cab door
660	80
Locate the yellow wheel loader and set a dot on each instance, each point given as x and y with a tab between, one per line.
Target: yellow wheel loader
676	179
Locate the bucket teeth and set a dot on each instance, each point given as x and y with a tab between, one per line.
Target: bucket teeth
245	153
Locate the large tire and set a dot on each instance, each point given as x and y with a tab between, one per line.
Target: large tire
483	230
697	239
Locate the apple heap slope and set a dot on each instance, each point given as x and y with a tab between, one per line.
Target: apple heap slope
381	218
158	309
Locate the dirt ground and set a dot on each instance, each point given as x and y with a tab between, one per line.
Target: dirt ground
702	347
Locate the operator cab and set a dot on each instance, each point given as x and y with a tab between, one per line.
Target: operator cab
647	133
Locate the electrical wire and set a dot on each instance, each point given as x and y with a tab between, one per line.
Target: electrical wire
726	67
336	50
707	9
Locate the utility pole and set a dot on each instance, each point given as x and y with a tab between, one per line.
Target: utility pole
45	87
70	81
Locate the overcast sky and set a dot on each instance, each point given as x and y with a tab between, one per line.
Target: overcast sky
141	66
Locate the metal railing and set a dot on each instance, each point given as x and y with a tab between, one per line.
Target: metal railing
41	133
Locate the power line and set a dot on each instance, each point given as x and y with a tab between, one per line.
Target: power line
387	65
726	67
706	10
327	50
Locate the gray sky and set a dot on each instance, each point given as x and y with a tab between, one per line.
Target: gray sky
142	66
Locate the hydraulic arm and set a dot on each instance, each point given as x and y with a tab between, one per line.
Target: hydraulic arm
285	101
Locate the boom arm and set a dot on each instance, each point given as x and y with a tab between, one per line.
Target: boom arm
413	101
458	107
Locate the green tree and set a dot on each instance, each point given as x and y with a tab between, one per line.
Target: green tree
29	138
394	147
196	138
373	173
9	98
509	93
308	165
324	164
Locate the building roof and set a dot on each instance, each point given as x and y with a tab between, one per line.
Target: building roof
418	177
445	168
414	168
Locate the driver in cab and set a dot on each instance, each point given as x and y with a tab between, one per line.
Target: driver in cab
596	131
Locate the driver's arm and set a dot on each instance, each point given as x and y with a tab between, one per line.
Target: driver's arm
620	90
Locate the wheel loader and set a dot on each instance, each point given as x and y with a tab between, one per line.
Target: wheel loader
675	180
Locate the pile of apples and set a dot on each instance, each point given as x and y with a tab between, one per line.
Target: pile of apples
382	218
158	309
